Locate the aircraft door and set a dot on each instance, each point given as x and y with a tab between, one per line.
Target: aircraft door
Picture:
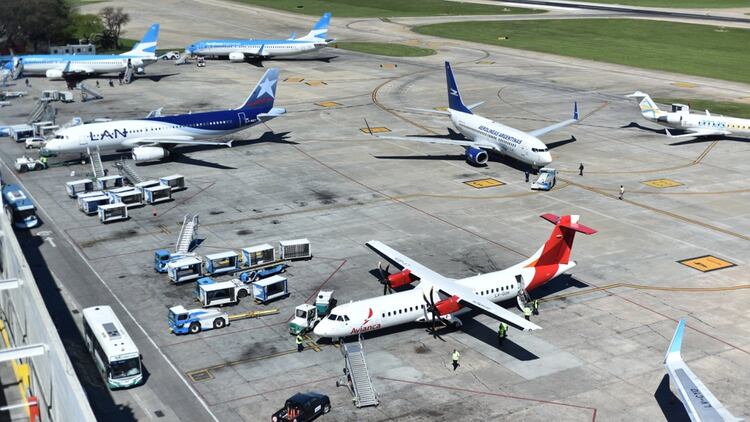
243	119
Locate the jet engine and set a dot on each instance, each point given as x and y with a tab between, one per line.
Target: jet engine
54	74
447	306
149	153
476	156
396	280
236	57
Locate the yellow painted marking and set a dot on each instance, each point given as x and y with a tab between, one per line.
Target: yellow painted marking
484	183
662	183
379	129
295	79
201	375
311	343
441	108
328	104
20	374
685	84
389	65
316	83
485	62
706	263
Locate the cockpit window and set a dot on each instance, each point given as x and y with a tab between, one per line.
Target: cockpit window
339	318
332	317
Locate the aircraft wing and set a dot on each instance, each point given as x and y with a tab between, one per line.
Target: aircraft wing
545	130
699	132
187	140
699	402
445	141
450	287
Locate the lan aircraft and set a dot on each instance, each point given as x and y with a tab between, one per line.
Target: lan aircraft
442	298
53	65
485	135
151	138
692	124
250	49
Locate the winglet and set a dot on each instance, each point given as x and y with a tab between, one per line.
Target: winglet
673	352
575	110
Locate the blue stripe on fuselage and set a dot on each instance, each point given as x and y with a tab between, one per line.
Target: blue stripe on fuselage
196	119
45	58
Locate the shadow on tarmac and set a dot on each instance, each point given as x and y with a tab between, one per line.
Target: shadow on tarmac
671	406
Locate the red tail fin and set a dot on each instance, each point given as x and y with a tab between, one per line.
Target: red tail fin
557	248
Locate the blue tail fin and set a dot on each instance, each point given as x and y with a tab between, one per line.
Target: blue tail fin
319	30
454	97
147	45
262	97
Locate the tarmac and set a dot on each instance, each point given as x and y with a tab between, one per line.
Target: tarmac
315	173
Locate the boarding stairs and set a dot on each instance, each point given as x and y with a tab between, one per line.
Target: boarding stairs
43	111
128	76
187	234
88	94
96	162
356	377
129	172
522	298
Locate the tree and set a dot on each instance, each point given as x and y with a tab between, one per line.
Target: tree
33	21
85	27
113	19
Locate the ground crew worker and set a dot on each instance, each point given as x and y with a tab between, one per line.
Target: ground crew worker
299	341
580	170
502	332
455	357
536	306
622	192
526	173
43	160
527	313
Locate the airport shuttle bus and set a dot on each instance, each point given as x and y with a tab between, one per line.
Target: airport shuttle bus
19	207
114	352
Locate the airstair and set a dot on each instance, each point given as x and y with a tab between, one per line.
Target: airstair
129	71
356	377
187	234
522	298
43	111
129	172
88	94
96	162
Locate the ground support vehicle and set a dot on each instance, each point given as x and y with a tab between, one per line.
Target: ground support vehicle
303	407
546	180
193	321
307	316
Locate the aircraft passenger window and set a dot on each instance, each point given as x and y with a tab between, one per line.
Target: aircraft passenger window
382	315
346	318
399	311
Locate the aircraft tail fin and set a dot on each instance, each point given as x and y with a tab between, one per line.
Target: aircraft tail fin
147	45
646	104
454	97
556	250
264	93
319	30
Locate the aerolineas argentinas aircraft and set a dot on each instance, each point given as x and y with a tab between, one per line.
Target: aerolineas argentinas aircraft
483	134
694	125
151	138
438	297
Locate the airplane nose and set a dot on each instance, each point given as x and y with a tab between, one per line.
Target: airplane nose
319	329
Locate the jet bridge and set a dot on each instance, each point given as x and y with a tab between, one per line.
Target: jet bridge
356	377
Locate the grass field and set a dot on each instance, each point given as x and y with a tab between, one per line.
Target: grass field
699	50
726	108
678	4
386	49
386	8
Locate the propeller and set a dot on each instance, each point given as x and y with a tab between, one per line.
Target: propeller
432	309
384	278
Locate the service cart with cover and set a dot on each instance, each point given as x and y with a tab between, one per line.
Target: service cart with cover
112	212
109	182
258	255
193	321
128	196
270	288
76	187
145	184
222	263
185	269
222	293
155	194
175	182
201	281
90	204
294	249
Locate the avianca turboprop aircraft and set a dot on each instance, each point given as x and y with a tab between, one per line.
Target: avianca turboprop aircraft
242	50
439	297
52	65
484	134
693	124
148	137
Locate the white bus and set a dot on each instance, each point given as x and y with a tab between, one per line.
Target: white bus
113	350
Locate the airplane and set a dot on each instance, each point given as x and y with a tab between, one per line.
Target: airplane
699	402
441	298
486	135
151	138
250	49
52	65
693	124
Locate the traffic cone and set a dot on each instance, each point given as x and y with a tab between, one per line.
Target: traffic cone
153	211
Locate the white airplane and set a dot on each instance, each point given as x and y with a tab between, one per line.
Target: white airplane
483	134
442	298
250	49
150	138
699	402
694	124
53	65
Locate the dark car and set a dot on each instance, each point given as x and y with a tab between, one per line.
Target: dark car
303	407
